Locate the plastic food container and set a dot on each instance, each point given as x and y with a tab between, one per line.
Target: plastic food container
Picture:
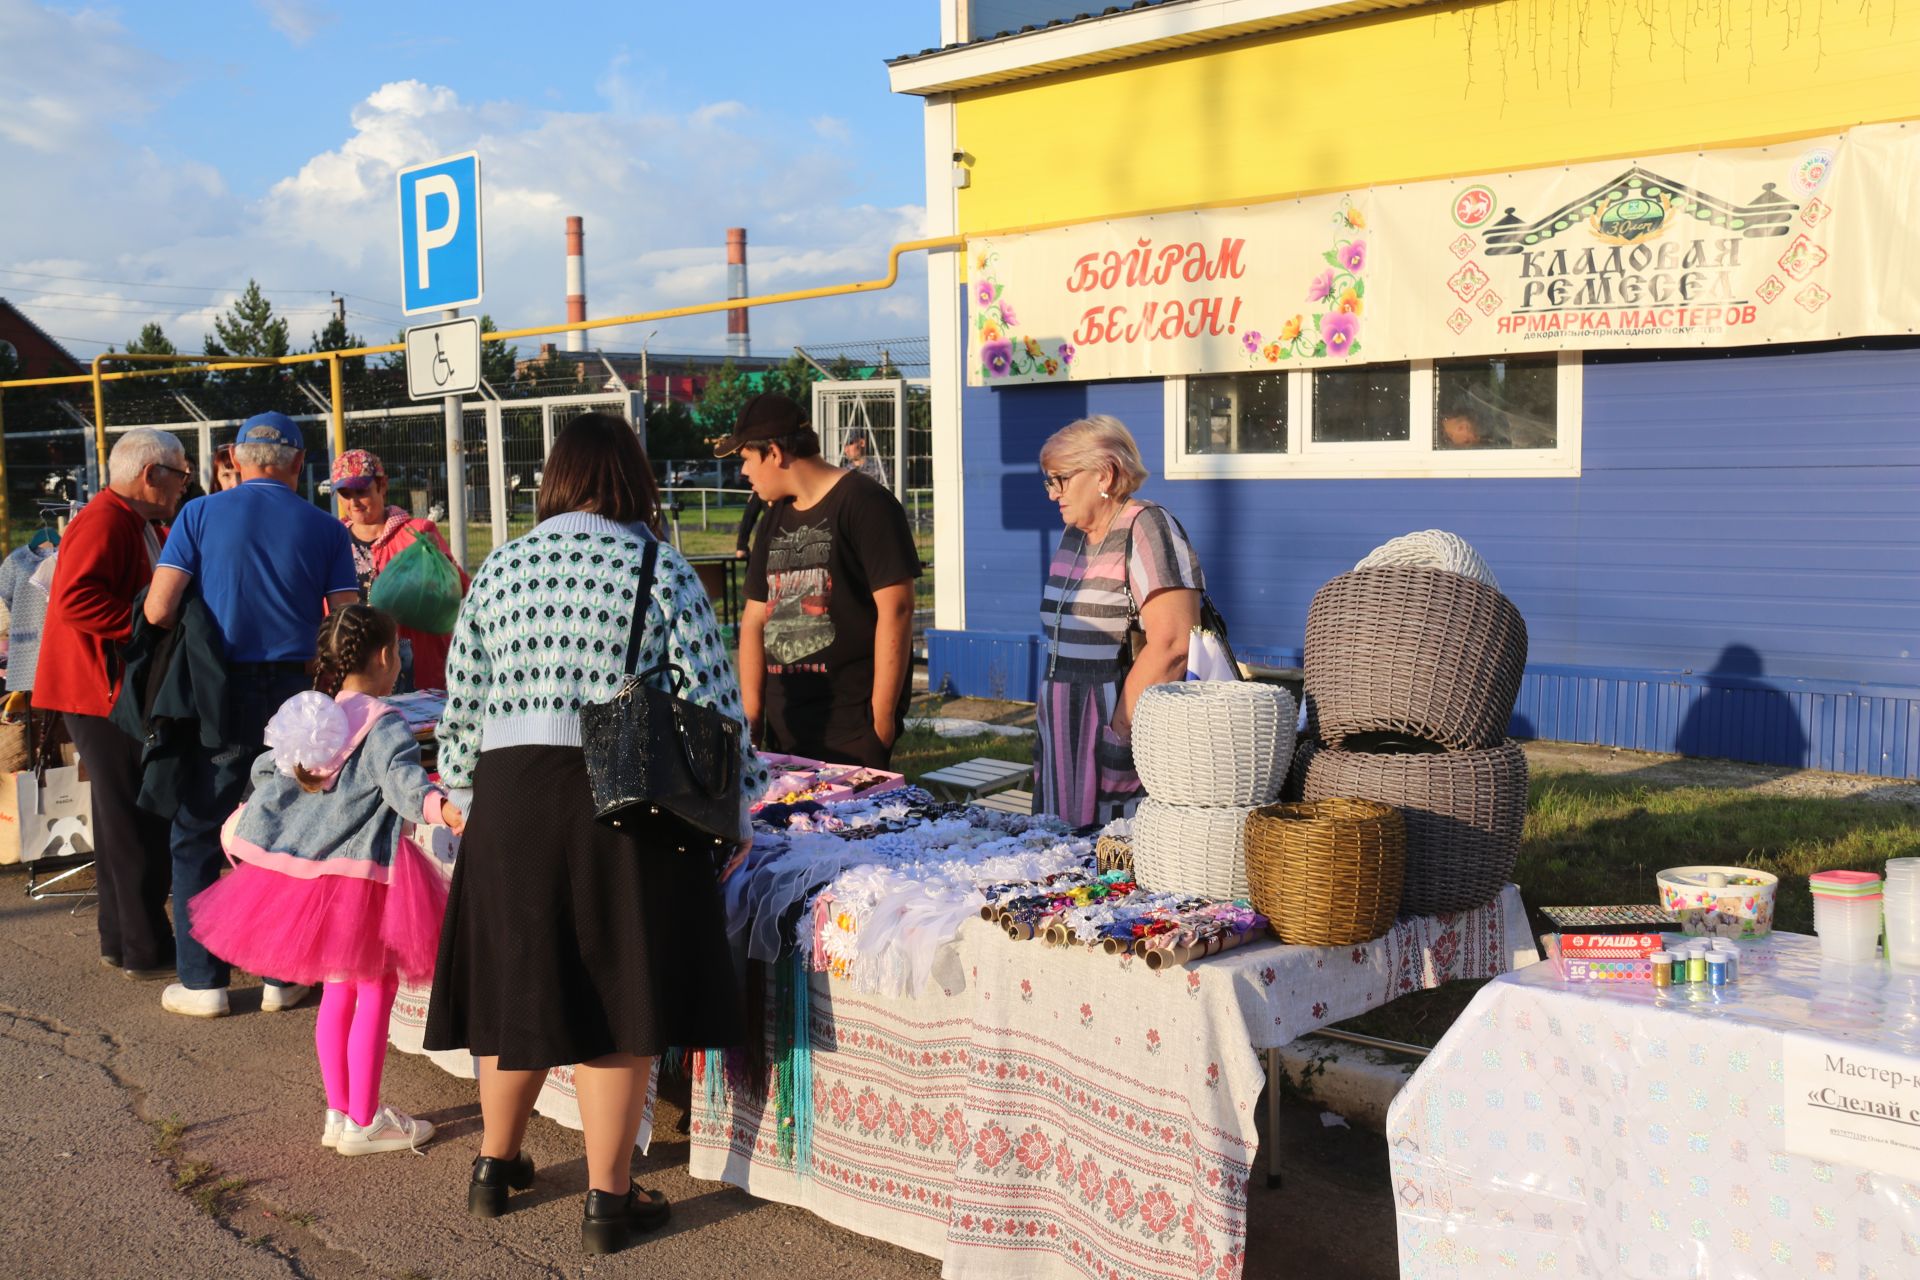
1723	902
1846	915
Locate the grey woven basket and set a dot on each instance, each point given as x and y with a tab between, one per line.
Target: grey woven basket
1464	812
1423	652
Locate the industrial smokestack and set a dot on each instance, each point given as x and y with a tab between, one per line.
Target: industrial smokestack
576	282
739	342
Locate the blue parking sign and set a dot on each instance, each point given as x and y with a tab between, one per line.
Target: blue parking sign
440	248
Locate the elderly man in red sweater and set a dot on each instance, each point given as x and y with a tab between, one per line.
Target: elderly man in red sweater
106	559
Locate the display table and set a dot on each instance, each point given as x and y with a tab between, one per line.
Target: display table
1622	1130
1063	1112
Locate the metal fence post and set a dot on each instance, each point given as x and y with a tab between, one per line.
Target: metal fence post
497	471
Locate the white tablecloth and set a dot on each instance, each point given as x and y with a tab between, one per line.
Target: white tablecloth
1617	1131
1068	1113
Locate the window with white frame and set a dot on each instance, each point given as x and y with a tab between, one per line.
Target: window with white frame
1515	415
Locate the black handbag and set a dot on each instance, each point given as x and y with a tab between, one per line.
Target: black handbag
651	754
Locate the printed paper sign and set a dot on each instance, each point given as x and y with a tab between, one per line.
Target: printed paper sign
1800	242
1853	1105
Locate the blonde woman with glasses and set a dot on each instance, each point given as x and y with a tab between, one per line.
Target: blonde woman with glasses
1122	596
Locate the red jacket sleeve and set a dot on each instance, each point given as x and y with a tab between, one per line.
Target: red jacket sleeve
88	582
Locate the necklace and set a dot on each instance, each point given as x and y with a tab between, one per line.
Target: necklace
1072	583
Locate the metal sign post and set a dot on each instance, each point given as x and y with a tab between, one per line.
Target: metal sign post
441	269
456	474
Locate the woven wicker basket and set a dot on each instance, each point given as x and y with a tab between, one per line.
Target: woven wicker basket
1213	742
1421	652
1464	811
1190	849
1432	549
1115	853
1327	873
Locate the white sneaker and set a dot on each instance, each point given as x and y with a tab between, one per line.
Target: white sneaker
336	1121
211	1003
273	999
391	1130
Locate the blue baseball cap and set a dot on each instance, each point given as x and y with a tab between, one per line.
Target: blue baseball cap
270	428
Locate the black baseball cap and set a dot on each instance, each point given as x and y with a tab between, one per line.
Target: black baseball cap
768	416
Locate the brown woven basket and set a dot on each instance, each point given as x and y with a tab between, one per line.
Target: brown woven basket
1423	652
1115	853
1327	873
1464	811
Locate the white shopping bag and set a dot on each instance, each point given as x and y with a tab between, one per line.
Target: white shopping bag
1208	657
55	817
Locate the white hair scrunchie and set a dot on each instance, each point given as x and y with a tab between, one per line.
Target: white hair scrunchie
308	731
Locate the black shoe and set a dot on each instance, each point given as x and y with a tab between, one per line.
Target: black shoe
487	1191
611	1220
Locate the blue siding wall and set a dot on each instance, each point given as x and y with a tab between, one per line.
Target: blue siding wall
1735	573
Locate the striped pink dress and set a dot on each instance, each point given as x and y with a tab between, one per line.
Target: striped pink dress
1083	771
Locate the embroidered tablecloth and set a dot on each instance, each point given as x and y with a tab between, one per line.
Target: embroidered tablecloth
1620	1131
1066	1112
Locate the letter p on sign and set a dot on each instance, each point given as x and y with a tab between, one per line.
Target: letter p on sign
440	245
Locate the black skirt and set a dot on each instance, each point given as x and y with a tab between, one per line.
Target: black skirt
566	940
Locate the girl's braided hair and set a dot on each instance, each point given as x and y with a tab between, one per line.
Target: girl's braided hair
349	639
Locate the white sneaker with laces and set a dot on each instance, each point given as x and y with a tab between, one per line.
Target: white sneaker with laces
330	1136
211	1003
273	999
390	1130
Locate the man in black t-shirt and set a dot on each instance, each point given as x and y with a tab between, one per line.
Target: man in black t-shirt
824	640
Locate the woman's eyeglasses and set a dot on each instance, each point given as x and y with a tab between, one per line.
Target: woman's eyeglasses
1057	480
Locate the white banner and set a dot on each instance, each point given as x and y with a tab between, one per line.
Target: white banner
1852	1105
1801	242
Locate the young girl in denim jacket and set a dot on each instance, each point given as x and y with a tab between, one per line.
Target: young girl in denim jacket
326	889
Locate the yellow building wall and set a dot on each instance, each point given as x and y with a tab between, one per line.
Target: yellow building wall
1437	92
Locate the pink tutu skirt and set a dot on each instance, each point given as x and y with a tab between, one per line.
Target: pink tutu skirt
328	928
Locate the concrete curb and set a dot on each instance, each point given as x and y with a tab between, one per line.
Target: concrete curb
1358	1083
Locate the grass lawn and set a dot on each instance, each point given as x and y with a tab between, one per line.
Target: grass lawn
920	750
1599	841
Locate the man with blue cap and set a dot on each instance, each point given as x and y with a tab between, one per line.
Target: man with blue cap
267	564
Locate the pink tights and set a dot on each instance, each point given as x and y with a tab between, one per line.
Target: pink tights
351	1039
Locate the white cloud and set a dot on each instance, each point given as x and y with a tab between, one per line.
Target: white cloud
832	128
658	189
298	20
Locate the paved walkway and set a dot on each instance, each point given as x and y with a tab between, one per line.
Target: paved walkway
99	1185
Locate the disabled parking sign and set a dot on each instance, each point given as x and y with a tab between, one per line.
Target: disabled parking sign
440	246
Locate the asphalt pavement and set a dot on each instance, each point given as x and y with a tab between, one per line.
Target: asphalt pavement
141	1144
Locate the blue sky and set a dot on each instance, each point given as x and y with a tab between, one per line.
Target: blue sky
179	149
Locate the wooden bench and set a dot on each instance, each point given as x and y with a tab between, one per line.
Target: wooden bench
972	779
1008	801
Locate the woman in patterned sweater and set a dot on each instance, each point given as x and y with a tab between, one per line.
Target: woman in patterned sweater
568	941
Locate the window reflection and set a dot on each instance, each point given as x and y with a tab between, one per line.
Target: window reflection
1498	402
1365	405
1237	414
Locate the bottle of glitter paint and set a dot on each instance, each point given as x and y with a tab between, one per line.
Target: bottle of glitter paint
1717	969
1662	968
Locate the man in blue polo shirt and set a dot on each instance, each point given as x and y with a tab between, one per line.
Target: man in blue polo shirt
267	564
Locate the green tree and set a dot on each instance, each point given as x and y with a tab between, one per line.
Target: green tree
249	328
497	359
795	380
673	432
725	394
